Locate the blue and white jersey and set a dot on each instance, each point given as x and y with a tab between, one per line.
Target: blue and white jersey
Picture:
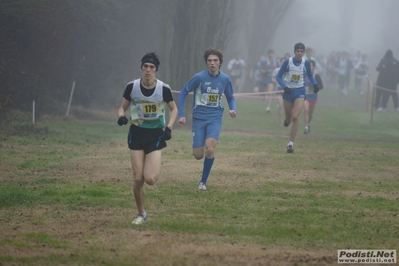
208	91
295	73
268	67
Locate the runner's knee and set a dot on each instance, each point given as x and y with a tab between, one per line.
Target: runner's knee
150	181
138	181
210	151
198	155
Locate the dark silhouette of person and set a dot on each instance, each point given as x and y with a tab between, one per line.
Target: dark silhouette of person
388	78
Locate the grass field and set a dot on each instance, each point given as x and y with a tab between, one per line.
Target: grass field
66	192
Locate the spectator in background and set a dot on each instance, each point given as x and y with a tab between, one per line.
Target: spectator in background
279	93
387	79
331	73
255	74
236	67
322	60
357	58
267	67
344	72
361	73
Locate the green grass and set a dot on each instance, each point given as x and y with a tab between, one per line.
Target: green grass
56	191
338	190
45	239
338	120
316	214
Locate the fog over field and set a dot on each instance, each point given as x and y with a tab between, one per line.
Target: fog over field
365	25
368	26
339	25
48	45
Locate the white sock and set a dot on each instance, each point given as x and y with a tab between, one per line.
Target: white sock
290	143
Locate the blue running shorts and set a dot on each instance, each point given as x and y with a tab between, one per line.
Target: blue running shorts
295	94
205	129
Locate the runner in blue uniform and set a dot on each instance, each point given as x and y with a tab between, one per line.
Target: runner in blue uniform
294	72
267	67
279	94
208	87
147	98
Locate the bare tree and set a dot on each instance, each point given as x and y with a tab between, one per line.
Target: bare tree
188	29
264	17
46	45
196	25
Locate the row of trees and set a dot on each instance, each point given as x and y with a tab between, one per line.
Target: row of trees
48	44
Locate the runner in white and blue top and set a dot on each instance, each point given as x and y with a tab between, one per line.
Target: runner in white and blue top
294	72
208	87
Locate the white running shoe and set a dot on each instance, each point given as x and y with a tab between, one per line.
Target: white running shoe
139	219
201	186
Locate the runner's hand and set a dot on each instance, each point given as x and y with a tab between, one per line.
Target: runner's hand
316	88
122	120
182	120
167	134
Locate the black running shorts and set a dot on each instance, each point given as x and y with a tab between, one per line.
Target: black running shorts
145	139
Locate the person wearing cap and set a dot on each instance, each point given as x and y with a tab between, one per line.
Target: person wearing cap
208	87
147	98
291	77
266	70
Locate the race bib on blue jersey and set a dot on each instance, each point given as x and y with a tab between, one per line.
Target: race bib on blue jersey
209	100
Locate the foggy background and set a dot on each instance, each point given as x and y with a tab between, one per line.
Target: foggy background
368	26
338	25
47	45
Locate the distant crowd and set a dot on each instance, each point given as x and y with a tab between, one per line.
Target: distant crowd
339	70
